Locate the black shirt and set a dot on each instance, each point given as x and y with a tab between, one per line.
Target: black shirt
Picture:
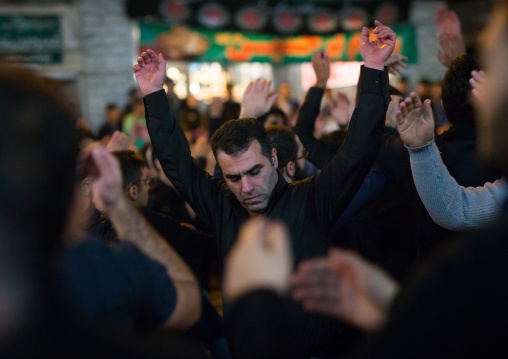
309	207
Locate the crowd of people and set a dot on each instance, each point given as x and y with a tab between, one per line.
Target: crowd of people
379	239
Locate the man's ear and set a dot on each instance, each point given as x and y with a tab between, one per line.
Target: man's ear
275	160
133	192
86	189
290	169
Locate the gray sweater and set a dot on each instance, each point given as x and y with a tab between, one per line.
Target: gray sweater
450	205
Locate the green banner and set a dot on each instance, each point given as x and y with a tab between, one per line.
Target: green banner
31	39
182	43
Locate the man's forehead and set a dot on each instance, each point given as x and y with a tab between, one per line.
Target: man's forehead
243	162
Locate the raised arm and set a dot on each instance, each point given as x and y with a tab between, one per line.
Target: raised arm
450	36
334	188
319	154
255	100
170	143
131	225
449	204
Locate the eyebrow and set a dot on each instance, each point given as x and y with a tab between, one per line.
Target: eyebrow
249	171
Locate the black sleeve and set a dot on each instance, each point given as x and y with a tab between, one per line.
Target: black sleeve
334	188
319	154
170	145
393	155
255	327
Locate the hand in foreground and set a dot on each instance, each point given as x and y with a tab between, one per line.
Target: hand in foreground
150	72
395	63
321	64
118	142
452	47
415	121
477	82
260	259
104	173
376	53
345	286
447	21
256	102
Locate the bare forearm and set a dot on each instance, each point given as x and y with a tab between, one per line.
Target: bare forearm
321	83
132	226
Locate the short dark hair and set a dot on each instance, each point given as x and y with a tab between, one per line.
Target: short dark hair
39	146
131	164
455	91
274	111
283	140
234	138
111	106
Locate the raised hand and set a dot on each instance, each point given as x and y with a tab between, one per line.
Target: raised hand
415	121
118	142
260	259
321	64
376	53
395	63
150	72
447	21
477	82
104	173
345	286
452	47
256	102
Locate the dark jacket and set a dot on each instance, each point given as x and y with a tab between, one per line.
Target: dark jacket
309	208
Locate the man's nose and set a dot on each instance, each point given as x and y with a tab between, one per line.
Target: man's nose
246	185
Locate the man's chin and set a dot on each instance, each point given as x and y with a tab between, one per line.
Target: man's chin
256	208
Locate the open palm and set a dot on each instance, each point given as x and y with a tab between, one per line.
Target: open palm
415	121
150	72
375	53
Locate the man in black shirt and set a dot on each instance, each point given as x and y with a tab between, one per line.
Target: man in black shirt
253	185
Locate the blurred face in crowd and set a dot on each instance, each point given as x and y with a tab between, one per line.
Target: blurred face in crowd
492	121
113	115
274	119
250	176
138	191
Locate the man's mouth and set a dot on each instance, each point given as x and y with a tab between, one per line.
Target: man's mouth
252	199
